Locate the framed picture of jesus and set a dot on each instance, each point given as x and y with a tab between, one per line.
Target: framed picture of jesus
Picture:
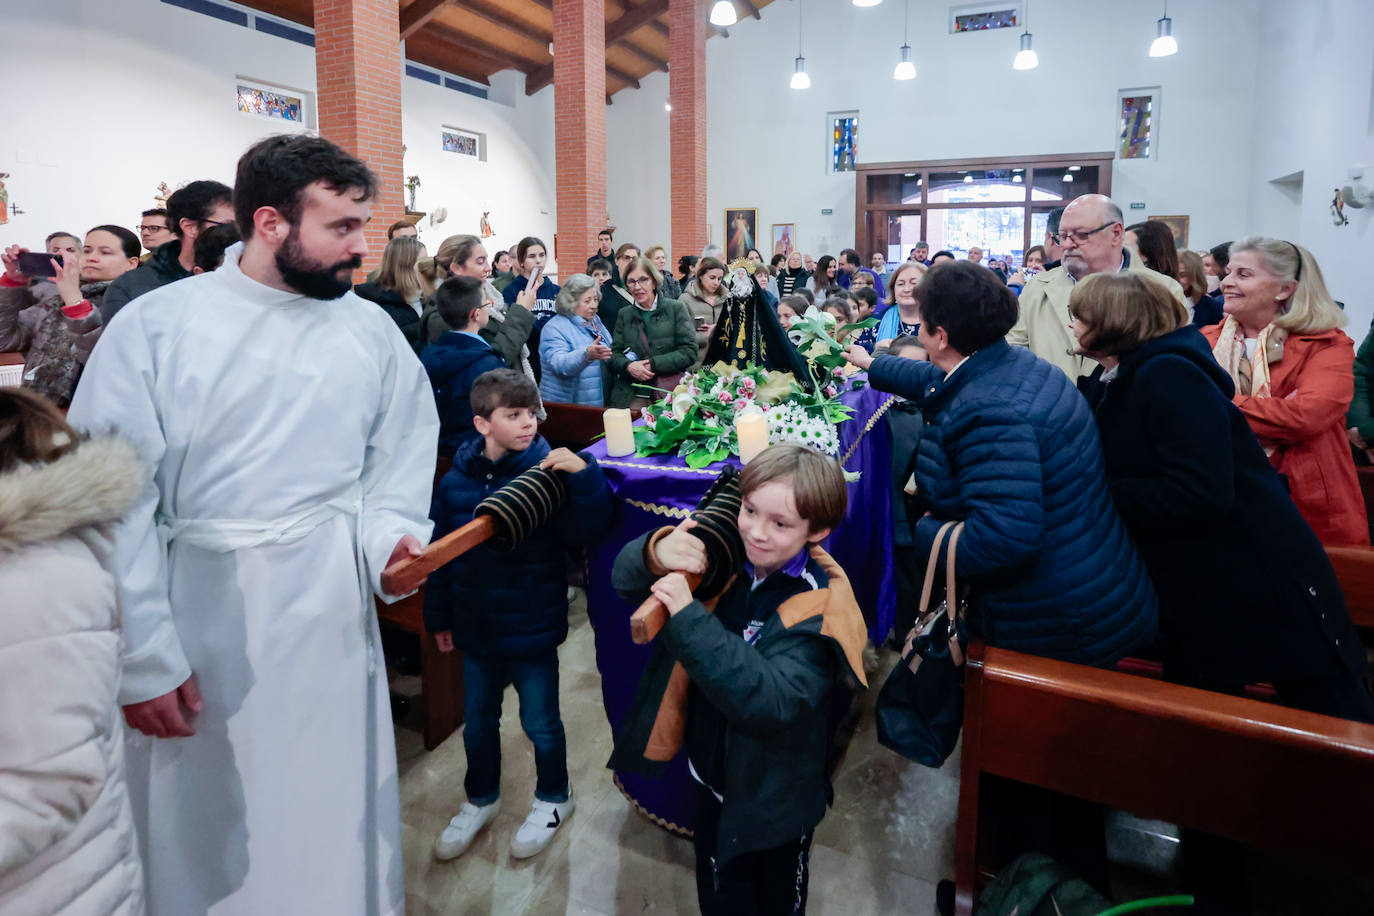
784	238
741	232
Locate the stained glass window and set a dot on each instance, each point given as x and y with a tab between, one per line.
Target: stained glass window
1136	126
984	19
253	100
844	130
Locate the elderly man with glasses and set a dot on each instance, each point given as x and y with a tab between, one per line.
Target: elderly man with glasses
1090	233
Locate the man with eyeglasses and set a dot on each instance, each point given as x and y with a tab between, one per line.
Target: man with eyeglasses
153	231
1091	233
190	211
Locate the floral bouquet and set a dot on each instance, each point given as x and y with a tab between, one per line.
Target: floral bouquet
814	336
697	418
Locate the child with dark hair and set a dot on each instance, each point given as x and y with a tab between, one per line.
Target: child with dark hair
764	664
600	270
457	358
55	323
864	301
210	247
508	610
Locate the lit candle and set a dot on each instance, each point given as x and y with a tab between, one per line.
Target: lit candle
620	435
752	430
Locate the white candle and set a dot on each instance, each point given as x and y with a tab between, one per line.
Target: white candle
751	428
620	434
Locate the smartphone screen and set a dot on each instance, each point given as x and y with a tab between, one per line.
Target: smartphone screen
37	264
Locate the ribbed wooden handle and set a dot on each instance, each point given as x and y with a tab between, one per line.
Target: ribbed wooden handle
652	615
409	574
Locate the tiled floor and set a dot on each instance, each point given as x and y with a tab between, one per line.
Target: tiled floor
880	849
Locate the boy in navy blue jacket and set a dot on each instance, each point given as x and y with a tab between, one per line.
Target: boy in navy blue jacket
457	358
508	611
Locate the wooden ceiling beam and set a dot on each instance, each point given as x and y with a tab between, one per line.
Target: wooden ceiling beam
751	9
418	15
495	17
462	40
634	18
652	60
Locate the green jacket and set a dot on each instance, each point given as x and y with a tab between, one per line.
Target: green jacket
774	696
672	344
1361	414
505	335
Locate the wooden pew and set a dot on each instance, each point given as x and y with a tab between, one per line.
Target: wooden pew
441	674
1354	568
11	368
1261	774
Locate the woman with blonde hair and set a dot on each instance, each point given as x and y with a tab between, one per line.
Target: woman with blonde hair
1293	369
1205	308
398	287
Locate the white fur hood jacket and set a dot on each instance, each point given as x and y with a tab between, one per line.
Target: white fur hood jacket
66	832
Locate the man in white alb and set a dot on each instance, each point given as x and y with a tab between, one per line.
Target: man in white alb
291	435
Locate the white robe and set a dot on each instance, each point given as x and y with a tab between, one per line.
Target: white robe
259	408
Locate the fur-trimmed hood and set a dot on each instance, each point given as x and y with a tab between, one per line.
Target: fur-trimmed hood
93	484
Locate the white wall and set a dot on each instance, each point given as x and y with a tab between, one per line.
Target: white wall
143	92
1312	96
637	165
767	148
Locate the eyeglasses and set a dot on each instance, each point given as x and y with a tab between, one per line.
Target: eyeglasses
217	222
146	229
639	281
1078	238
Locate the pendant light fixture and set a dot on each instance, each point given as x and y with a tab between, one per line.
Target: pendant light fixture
1025	58
723	14
799	78
906	70
1164	43
862	3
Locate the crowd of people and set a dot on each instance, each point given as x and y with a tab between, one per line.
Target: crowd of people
221	443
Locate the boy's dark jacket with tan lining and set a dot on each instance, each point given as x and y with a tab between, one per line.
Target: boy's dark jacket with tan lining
772	698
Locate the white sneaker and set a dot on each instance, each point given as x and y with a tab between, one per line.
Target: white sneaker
543	822
459	833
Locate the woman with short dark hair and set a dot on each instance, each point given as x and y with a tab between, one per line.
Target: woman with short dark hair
1246	593
1010	448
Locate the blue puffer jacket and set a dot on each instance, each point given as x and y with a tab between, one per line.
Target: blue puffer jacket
1010	447
568	376
453	362
510	604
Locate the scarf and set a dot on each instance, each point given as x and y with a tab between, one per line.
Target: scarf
1251	375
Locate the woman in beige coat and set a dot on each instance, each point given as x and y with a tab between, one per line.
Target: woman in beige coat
66	830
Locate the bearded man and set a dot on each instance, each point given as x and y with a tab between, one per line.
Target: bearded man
289	435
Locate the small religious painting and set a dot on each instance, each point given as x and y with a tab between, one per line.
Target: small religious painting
464	144
269	104
740	232
784	238
1136	125
1178	225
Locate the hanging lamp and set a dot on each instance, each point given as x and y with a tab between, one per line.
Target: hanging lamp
723	14
905	70
1025	58
1164	43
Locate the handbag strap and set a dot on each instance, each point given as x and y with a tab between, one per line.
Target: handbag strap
929	584
956	653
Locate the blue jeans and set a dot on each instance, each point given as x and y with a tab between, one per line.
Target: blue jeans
536	682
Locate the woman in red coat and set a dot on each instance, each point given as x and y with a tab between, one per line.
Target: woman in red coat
1293	367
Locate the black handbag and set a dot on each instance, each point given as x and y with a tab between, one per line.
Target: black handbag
921	706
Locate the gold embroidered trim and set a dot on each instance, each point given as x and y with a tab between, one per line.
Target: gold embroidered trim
872	422
662	469
666	825
668	511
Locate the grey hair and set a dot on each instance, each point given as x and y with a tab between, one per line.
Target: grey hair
574	288
1310	309
713	251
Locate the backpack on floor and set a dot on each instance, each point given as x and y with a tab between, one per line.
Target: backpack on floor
1036	885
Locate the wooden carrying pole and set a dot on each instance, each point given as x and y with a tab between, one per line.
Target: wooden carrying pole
406	576
652	615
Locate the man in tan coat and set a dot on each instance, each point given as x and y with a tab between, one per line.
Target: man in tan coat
1091	232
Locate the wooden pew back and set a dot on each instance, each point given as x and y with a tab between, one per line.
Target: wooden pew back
1261	774
1354	568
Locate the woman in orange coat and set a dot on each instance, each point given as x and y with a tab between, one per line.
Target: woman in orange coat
1293	367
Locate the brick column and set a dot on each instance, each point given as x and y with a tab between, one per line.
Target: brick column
579	104
358	69
687	152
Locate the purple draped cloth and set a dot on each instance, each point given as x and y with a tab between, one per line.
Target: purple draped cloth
661	490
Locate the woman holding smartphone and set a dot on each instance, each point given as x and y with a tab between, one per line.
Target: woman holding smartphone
702	298
575	347
530	256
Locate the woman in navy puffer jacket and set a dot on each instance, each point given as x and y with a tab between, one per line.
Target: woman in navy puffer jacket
1011	448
